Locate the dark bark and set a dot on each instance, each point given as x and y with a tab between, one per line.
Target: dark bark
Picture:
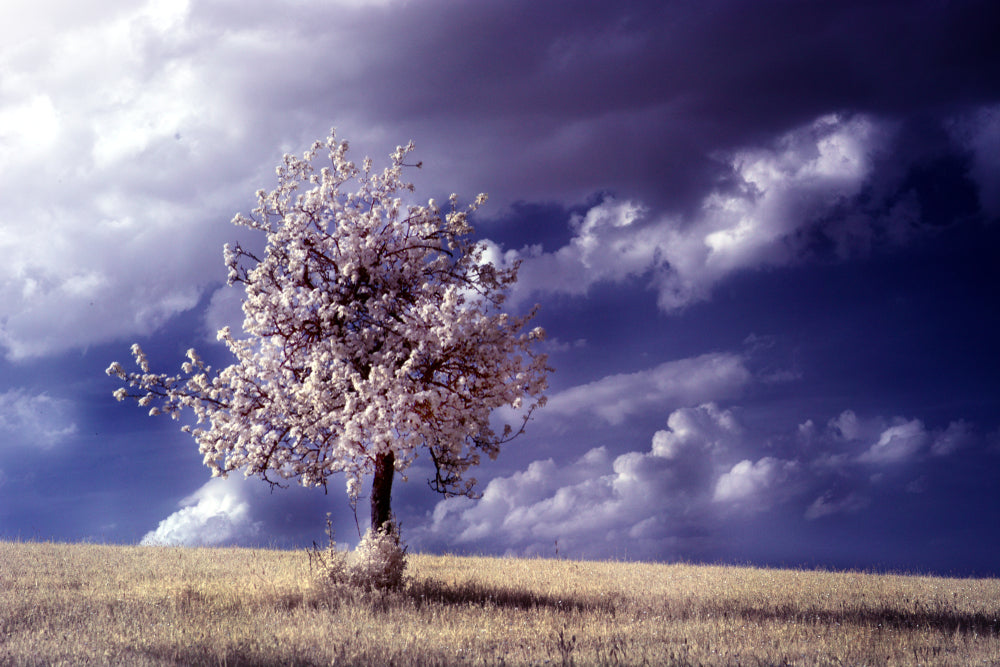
382	489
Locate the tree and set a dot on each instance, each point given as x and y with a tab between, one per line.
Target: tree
373	332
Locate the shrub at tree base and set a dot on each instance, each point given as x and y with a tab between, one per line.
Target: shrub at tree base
376	564
378	561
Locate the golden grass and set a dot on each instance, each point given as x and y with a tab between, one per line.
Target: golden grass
85	604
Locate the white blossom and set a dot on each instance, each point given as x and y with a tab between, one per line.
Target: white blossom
369	327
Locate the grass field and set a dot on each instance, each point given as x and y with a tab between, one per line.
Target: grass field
85	604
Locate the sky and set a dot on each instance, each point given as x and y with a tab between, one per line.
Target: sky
764	239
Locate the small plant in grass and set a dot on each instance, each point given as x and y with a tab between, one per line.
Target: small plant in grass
328	564
565	646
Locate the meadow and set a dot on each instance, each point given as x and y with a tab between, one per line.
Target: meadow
79	604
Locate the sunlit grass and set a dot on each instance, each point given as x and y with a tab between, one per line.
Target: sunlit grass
87	604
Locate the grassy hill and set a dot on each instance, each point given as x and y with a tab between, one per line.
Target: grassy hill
88	604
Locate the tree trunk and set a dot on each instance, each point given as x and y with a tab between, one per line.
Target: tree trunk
382	489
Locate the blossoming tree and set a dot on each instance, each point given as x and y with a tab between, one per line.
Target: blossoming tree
373	332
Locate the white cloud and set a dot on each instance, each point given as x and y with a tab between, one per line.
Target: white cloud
25	21
747	481
900	440
597	506
610	244
812	170
852	446
897	443
119	175
848	426
130	137
792	187
39	420
216	514
694	477
614	398
703	428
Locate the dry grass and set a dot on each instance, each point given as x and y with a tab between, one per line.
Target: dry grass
86	604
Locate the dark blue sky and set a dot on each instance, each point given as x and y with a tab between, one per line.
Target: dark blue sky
764	237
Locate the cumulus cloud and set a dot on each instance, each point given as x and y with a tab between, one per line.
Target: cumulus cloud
781	195
891	441
615	398
119	190
781	191
34	420
754	482
849	427
695	476
896	443
852	451
610	244
599	506
219	513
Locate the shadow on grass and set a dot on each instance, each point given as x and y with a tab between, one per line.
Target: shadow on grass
942	620
432	591
419	592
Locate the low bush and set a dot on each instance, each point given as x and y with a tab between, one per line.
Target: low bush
378	562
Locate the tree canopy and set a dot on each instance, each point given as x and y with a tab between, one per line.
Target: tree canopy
373	331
